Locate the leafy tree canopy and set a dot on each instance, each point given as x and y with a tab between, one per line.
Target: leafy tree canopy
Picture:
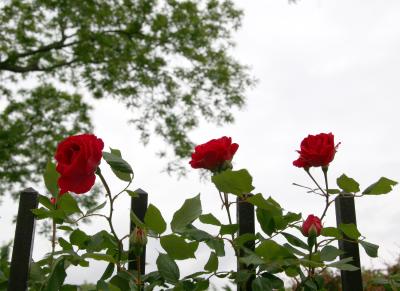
166	60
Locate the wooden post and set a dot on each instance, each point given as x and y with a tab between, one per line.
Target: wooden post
245	220
23	241
139	207
346	213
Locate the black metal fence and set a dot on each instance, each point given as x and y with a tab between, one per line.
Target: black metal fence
25	230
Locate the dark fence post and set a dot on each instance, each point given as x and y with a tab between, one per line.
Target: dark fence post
139	207
346	213
23	241
245	220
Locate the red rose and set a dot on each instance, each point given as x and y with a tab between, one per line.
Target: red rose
312	225
214	155
53	200
316	151
77	159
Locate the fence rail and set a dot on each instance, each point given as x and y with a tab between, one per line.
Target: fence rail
25	230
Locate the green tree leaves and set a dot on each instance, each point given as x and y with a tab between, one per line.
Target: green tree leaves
106	52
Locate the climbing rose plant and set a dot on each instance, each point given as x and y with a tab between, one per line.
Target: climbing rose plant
284	246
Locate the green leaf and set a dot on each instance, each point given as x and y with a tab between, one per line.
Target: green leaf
382	186
331	232
212	263
228	229
217	245
295	240
123	281
50	178
121	175
99	257
118	165
350	230
370	248
102	286
68	204
261	284
270	250
177	248
64	244
108	271
168	268
133	194
333	191
330	253
269	204
209	219
347	184
235	182
136	220
190	211
57	276
65	227
252	259
240	241
98	207
342	265
266	221
79	238
154	220
45	201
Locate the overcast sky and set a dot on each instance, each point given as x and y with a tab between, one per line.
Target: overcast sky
322	66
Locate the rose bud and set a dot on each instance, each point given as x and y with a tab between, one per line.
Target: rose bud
53	200
139	236
215	155
311	226
316	151
77	159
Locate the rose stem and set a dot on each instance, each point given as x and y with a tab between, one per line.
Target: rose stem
109	218
226	204
53	241
327	203
139	279
316	183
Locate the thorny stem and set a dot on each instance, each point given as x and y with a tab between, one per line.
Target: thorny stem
109	218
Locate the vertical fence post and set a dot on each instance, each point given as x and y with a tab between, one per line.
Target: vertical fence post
346	213
245	220
139	207
23	241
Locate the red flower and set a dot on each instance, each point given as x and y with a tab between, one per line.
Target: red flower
215	155
312	225
316	151
77	159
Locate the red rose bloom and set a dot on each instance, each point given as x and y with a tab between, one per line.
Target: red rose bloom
312	225
214	155
77	159
316	151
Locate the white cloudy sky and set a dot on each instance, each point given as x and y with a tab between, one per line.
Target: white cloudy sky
323	66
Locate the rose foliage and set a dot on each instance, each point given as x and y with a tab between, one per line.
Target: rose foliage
284	246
